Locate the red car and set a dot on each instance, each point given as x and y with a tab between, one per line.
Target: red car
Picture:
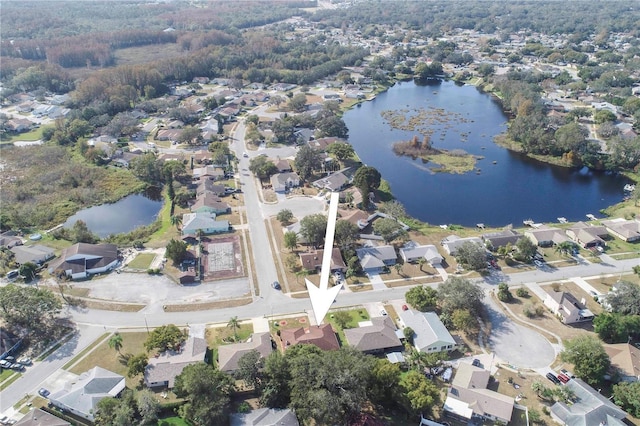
563	378
405	308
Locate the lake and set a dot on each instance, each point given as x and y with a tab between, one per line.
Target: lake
122	216
508	187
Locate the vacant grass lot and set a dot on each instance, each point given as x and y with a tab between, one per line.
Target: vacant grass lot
142	261
33	135
103	356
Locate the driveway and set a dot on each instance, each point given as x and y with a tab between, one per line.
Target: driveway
376	281
300	206
515	344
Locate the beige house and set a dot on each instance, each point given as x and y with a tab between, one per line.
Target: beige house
587	235
546	236
626	230
567	307
163	369
469	397
626	359
229	355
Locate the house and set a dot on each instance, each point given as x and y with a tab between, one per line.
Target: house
626	230
82	260
336	181
375	336
162	370
205	222
546	236
38	417
18	125
9	239
282	165
281	182
430	333
207	185
313	261
587	235
375	259
321	336
209	172
210	203
567	307
495	240
625	358
169	134
303	135
265	417
81	395
468	397
37	254
229	355
322	144
452	243
411	253
589	408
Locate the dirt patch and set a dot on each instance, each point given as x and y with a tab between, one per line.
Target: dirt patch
188	307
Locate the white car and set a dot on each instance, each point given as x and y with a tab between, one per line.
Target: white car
245	155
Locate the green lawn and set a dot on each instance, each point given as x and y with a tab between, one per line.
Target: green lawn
172	421
104	356
357	315
142	261
33	135
8	378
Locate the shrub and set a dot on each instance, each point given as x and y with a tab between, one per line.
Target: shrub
522	292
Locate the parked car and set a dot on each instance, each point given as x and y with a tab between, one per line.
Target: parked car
5	364
383	312
245	155
43	392
276	285
17	367
405	308
563	378
567	373
553	378
25	361
475	362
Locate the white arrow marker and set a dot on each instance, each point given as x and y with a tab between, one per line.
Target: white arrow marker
322	297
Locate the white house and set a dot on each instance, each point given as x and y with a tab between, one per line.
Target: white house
374	259
567	307
430	333
81	396
452	243
206	222
412	252
281	182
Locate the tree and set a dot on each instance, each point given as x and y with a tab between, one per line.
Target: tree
176	251
249	366
504	295
290	240
207	392
328	386
307	161
341	151
332	126
262	167
165	337
422	298
298	102
105	411
616	328
389	229
80	233
284	216
28	271
346	233
627	396
176	221
385	387
276	379
463	320
342	318
313	228
408	334
190	135
115	341
148	406
472	256
625	299
565	248
31	308
420	394
235	325
526	249
393	208
283	131
137	364
589	358
603	115
459	293
366	179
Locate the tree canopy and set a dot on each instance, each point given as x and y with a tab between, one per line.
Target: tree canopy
313	228
33	308
207	392
589	358
625	299
422	298
307	161
472	256
165	337
366	179
460	293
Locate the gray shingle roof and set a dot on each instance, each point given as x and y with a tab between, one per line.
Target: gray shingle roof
378	336
229	355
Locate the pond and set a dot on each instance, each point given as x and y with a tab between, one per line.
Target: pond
122	216
504	188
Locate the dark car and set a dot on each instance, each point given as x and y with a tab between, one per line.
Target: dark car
553	378
43	392
276	285
475	362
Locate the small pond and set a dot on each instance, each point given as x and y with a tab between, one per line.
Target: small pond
122	216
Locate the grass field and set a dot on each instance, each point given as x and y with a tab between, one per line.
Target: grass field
172	421
142	261
34	135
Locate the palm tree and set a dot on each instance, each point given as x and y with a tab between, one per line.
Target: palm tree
115	341
421	262
537	387
564	247
176	221
235	324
